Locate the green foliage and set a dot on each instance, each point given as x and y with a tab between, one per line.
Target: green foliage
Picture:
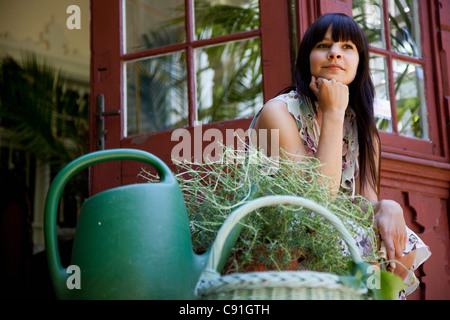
41	113
214	20
237	66
273	237
46	117
381	284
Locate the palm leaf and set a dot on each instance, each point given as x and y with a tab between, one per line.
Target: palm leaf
41	113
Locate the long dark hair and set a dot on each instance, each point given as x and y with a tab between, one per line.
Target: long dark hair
361	90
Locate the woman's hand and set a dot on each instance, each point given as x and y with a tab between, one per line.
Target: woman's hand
332	95
390	224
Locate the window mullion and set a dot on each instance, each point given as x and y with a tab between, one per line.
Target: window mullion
392	92
190	61
389	57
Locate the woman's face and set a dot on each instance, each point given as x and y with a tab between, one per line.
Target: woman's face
334	60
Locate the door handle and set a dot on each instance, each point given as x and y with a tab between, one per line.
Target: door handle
100	115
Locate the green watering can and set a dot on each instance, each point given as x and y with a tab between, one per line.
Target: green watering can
131	242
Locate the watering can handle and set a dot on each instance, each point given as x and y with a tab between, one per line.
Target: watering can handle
58	184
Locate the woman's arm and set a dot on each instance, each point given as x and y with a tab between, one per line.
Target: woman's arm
389	221
275	116
333	100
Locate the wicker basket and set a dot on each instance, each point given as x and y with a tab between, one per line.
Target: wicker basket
276	285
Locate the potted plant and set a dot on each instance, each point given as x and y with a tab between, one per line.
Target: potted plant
273	238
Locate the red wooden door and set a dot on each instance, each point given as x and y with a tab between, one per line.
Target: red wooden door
111	59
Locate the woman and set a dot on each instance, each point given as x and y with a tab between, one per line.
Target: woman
329	114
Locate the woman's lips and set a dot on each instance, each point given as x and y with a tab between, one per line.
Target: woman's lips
334	66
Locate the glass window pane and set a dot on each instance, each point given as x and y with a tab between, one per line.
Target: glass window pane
382	105
229	80
156	94
410	100
220	17
405	27
153	23
369	15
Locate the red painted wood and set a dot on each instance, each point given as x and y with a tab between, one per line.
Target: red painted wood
444	15
338	6
106	78
275	47
162	144
444	56
432	214
190	58
433	80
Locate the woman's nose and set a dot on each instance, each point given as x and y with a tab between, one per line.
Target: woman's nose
334	53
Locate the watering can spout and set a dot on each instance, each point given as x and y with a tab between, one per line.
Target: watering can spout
131	242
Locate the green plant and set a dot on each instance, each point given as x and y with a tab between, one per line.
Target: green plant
48	118
41	112
237	65
272	237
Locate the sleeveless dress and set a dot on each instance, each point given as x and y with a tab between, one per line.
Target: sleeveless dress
309	131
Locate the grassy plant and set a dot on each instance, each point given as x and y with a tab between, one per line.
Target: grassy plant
273	237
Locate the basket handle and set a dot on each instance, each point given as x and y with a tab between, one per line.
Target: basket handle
215	259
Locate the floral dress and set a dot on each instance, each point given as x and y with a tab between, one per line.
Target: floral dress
309	131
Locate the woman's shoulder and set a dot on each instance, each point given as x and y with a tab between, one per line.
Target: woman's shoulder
286	106
297	104
274	111
275	105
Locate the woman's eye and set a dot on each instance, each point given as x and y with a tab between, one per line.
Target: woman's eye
322	45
